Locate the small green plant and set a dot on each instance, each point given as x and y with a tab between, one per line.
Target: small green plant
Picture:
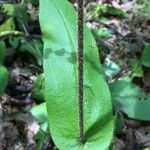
39	88
144	9
60	72
128	98
145	58
40	114
98	11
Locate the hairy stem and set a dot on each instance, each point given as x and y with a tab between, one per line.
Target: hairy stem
80	70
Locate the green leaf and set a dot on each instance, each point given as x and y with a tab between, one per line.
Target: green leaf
14	41
8	9
39	88
102	33
135	107
136	68
119	122
3	79
40	113
123	88
9	25
127	97
95	11
40	138
111	68
34	2
2	51
3	71
145	58
116	11
33	47
60	71
21	14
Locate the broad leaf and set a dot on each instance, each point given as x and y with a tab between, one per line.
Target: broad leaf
135	107
33	2
145	58
124	88
40	113
136	68
8	9
2	51
58	24
21	15
14	41
34	48
116	11
9	24
95	11
40	138
127	97
102	33
3	79
3	70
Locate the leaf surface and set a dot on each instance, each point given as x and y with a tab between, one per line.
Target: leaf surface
38	88
2	51
145	58
3	79
3	71
58	24
40	113
128	98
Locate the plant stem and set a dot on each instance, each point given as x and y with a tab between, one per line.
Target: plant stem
80	70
